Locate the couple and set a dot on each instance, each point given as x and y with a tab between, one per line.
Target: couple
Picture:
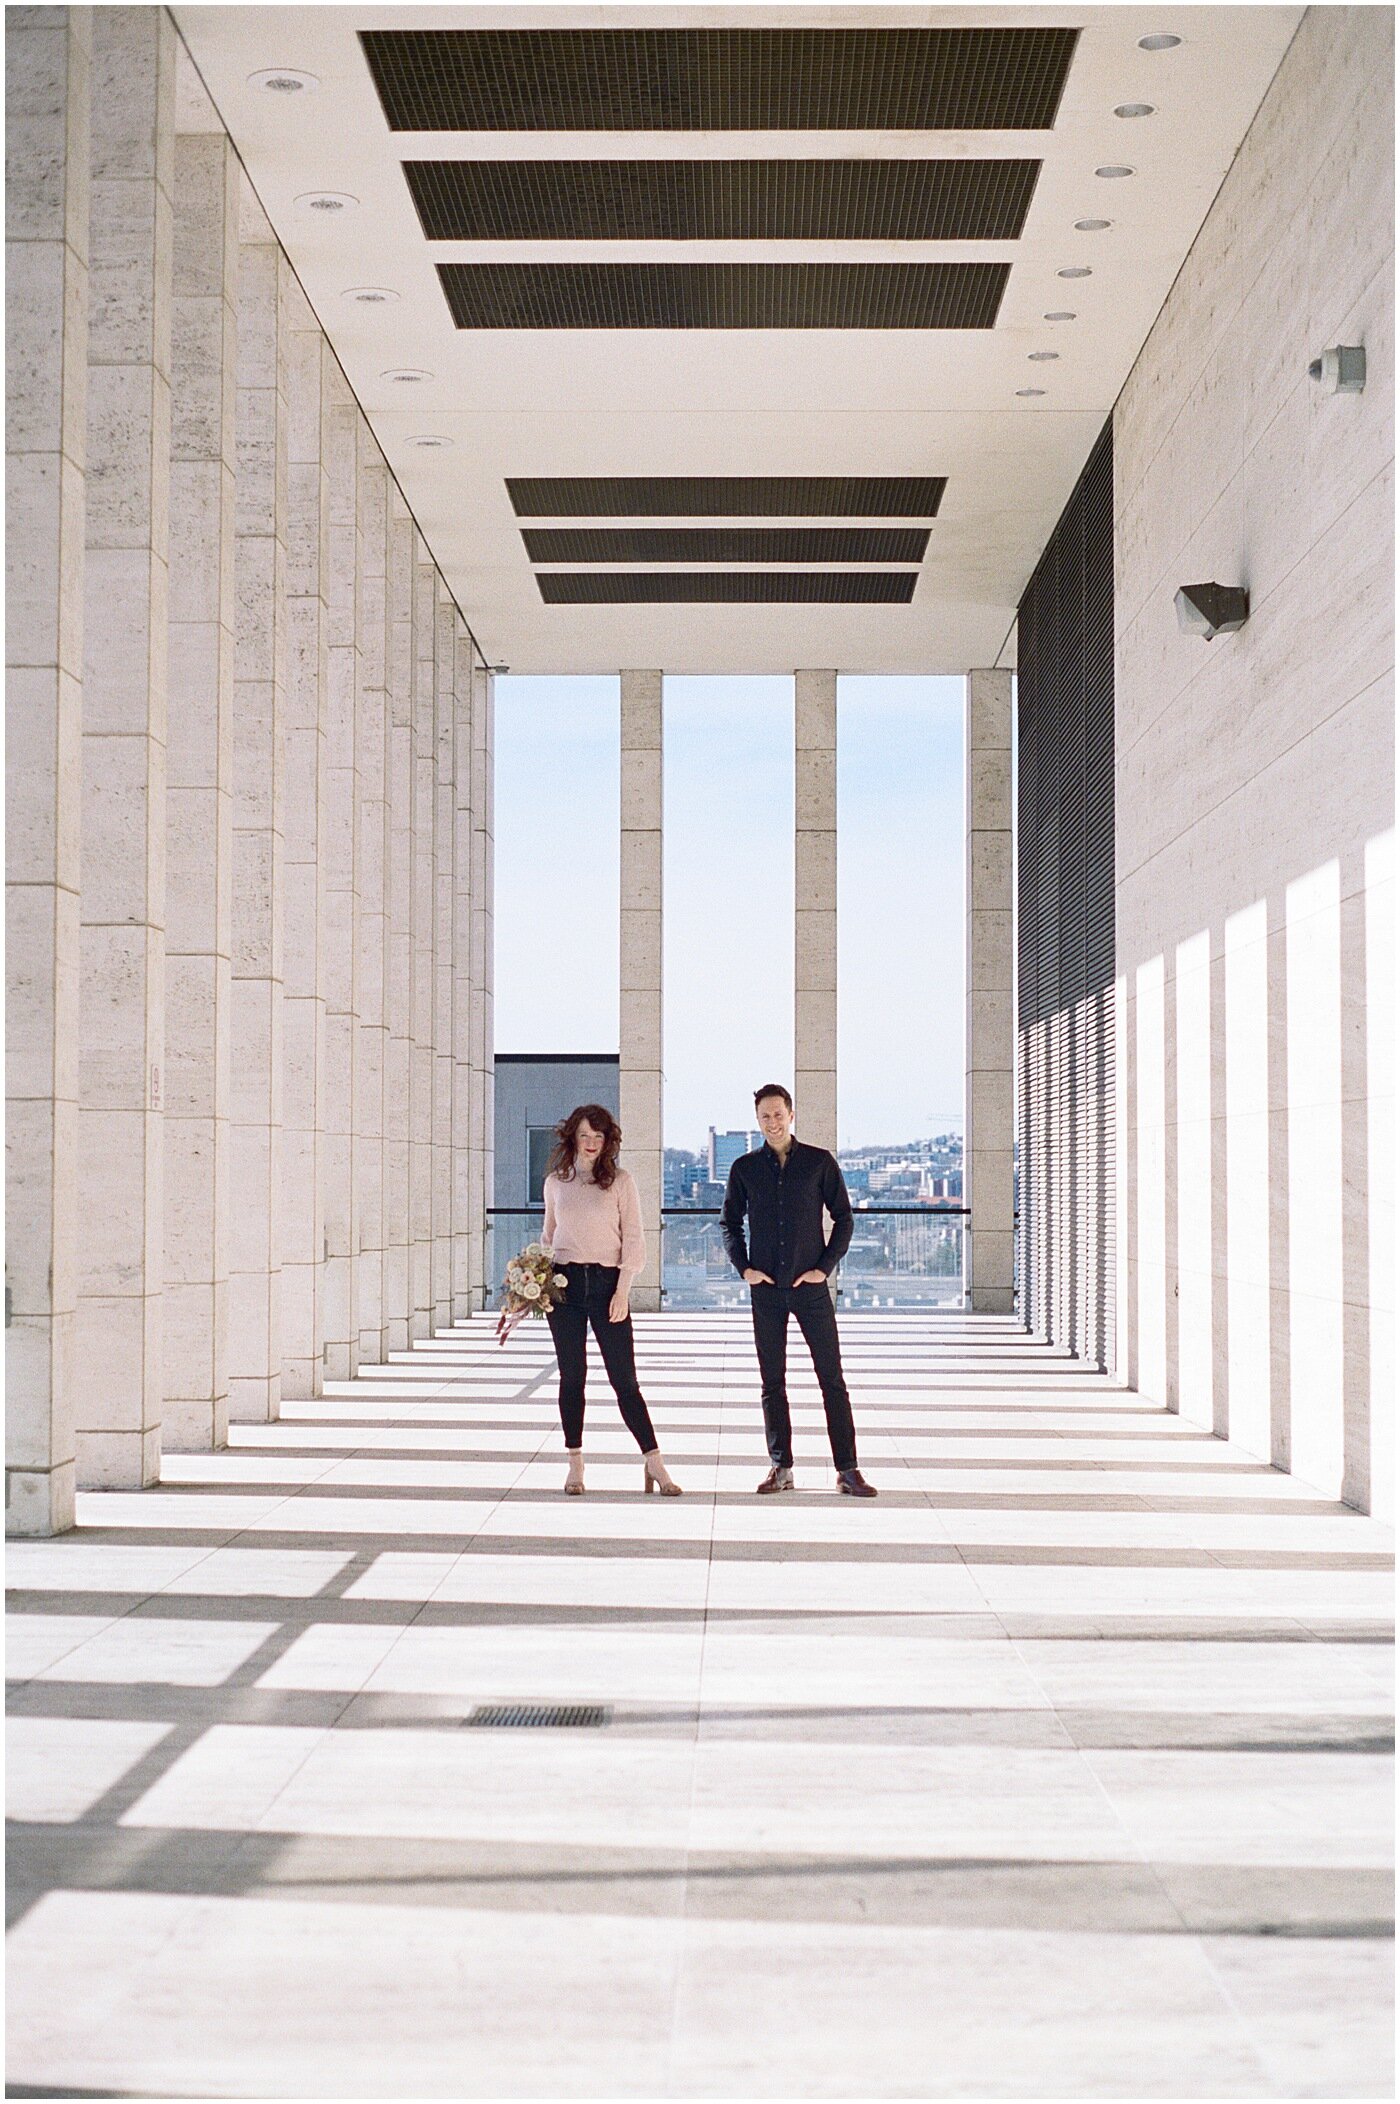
773	1231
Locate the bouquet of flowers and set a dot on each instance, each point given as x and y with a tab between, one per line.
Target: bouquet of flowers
532	1287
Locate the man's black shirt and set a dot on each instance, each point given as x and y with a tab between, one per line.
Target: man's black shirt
782	1201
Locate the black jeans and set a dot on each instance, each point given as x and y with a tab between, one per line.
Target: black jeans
586	1300
816	1318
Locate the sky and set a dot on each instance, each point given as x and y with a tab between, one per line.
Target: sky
728	886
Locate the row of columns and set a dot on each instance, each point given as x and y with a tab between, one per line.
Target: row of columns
989	1128
249	841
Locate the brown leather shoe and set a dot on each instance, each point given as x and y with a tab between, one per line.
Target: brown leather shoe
852	1484
776	1479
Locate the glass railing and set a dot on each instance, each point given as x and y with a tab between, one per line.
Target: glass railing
508	1229
695	1269
900	1257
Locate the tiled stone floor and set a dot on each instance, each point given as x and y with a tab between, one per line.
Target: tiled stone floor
1061	1771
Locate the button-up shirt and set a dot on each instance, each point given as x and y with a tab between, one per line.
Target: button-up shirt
771	1219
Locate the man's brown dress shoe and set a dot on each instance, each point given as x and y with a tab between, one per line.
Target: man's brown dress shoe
852	1484
776	1479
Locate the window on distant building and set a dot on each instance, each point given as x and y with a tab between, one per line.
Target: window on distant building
539	1141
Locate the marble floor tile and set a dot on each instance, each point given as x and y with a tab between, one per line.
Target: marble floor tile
768	2010
59	1767
1321	2012
1059	1770
165	1650
256	1997
37	1643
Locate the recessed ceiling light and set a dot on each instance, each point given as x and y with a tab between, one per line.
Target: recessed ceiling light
1114	172
1025	393
1063	314
430	441
1092	226
370	295
406	375
283	80
1043	357
1163	41
327	201
1136	109
1075	270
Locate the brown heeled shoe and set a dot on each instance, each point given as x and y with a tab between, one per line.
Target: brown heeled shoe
655	1477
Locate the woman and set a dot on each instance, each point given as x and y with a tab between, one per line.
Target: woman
593	1227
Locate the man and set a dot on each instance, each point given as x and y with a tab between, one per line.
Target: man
785	1260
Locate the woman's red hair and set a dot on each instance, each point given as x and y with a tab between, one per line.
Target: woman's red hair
561	1162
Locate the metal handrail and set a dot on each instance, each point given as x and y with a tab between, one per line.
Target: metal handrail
712	1212
922	1212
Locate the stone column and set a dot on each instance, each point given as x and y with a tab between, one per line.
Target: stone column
199	793
639	1022
483	953
991	1028
121	1032
47	54
814	980
420	1157
444	902
371	842
340	1314
398	910
265	287
466	1200
304	853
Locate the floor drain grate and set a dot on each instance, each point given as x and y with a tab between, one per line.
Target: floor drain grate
555	1715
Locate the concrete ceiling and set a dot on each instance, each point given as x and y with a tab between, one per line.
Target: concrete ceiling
571	402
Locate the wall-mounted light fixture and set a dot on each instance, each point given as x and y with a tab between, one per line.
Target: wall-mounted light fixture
498	668
1342	369
1211	609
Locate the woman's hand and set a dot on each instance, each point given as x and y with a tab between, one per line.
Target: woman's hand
618	1308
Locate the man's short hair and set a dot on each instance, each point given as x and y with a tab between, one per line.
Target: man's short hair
771	1088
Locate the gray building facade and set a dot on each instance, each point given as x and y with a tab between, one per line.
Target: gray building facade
534	1090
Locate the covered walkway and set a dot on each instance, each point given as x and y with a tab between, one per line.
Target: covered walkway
1059	1771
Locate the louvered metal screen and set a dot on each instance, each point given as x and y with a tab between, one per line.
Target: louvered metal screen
1065	879
556	295
1003	77
832	200
726	496
725	544
726	587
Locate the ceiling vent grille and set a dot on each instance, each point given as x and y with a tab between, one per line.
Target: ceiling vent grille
724	295
726	544
522	80
726	496
833	200
738	588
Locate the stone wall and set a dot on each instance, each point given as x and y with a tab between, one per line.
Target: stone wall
1254	794
250	830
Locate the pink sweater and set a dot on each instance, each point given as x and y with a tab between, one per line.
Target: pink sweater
583	1225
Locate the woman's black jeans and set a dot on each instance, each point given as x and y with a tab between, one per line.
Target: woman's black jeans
586	1300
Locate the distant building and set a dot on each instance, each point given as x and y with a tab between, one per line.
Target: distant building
682	1174
534	1091
725	1150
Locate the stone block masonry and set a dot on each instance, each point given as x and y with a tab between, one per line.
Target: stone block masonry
249	869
